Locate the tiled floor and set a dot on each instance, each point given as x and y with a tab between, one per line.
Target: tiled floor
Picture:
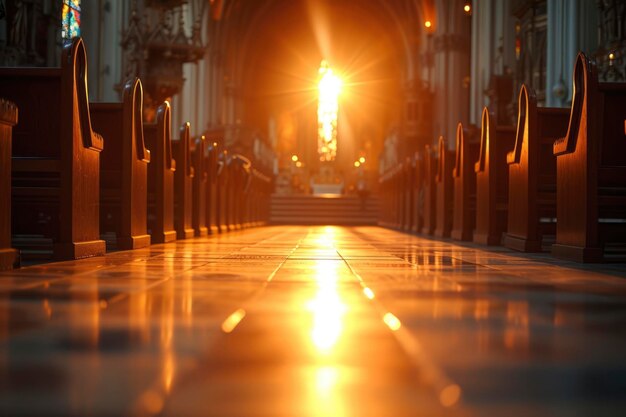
313	321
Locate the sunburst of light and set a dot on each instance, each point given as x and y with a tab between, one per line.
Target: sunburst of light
329	86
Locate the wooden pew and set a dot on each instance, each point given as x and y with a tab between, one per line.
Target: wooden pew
430	191
259	198
591	170
161	171
492	180
532	174
444	190
246	213
464	210
56	155
389	184
222	202
213	171
408	177
395	196
123	169
418	193
240	170
9	257
385	200
200	181
183	183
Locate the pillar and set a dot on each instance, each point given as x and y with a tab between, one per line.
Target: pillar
572	27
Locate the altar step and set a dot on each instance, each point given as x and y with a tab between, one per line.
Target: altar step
336	210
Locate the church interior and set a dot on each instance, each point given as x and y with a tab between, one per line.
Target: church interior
375	208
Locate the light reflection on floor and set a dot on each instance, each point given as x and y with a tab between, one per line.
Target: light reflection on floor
313	321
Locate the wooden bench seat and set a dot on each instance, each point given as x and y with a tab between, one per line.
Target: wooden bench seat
532	175
183	183
444	190
9	257
123	170
591	171
464	177
492	180
161	171
56	155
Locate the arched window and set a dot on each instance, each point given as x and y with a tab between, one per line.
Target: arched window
70	19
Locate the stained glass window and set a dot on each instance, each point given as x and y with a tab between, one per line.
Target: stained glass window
70	19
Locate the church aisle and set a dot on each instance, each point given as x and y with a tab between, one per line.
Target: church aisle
313	321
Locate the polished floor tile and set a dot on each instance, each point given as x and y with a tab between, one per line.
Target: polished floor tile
313	321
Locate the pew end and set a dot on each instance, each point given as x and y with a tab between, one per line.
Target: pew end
213	170
464	177
161	172
9	257
591	171
532	175
183	183
55	153
430	191
444	190
199	187
123	170
492	180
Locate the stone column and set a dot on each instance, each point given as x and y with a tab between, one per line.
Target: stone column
572	27
493	49
451	67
